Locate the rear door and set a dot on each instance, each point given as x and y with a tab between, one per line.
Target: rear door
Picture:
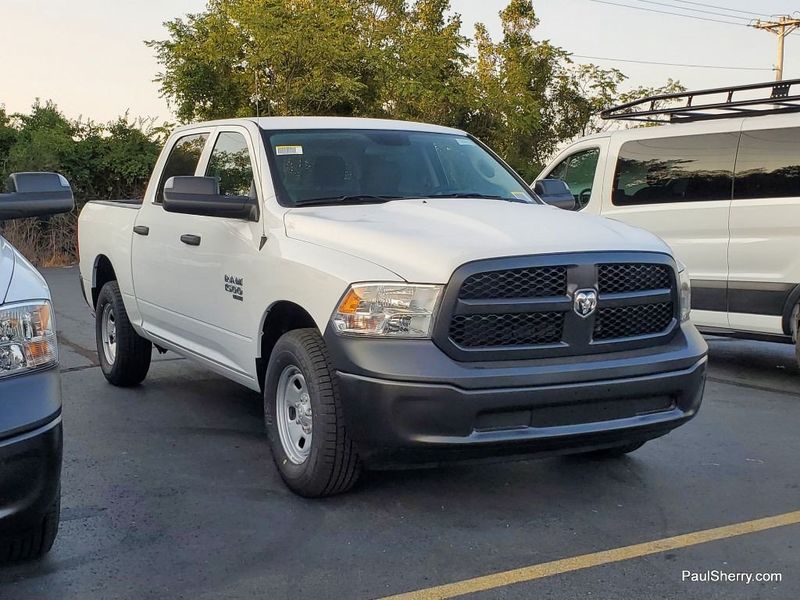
764	252
159	276
679	187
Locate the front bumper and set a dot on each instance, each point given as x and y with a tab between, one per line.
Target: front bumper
407	402
30	449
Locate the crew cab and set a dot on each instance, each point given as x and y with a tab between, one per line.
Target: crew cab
397	294
30	384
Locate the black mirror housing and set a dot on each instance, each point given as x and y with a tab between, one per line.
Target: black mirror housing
555	192
36	195
200	196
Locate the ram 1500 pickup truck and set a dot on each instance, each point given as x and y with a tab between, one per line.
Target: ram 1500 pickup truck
397	294
30	383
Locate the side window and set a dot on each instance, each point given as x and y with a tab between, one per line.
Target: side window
675	169
768	164
182	160
230	163
577	171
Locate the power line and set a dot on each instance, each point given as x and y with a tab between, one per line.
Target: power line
700	10
669	64
744	12
664	12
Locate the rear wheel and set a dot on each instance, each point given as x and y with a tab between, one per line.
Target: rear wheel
124	355
303	416
615	451
35	542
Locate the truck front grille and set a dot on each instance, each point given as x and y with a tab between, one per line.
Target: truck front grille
516	283
524	307
635	319
522	329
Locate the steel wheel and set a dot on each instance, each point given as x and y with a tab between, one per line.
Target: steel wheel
108	332
293	414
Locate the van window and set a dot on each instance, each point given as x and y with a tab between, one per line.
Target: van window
577	171
675	169
183	159
768	164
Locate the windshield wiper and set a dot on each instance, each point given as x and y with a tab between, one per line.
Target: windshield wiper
354	199
475	195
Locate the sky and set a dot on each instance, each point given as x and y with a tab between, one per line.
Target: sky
89	55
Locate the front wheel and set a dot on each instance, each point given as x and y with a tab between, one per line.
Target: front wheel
124	355
303	415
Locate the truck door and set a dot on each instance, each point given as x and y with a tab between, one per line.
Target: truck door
158	275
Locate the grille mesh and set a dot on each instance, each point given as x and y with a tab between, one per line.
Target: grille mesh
516	283
519	329
637	319
632	277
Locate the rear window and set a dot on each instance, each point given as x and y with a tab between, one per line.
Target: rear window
675	169
768	164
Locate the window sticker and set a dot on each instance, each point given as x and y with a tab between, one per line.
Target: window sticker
521	195
288	150
464	142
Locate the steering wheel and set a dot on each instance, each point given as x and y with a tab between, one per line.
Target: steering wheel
583	198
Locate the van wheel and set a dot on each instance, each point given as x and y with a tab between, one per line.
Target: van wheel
303	416
35	542
124	355
614	452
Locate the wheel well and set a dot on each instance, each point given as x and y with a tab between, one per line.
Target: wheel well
103	273
282	317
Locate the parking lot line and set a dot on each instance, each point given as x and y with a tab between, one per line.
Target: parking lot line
585	561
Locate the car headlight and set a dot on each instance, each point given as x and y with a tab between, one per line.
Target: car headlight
684	292
27	337
388	310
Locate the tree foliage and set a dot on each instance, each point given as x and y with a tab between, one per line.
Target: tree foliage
403	59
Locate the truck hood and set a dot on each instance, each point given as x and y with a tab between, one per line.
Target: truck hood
6	267
425	240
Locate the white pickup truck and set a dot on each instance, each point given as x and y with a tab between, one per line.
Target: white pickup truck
396	292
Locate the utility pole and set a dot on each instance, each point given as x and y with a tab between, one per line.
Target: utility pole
781	27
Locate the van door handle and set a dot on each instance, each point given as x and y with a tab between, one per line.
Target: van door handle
191	240
141	230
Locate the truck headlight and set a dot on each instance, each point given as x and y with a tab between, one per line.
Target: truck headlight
388	310
27	337
684	292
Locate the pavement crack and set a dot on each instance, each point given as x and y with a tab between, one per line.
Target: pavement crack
754	386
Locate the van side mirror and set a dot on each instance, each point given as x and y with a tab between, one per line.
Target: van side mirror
200	196
555	192
35	195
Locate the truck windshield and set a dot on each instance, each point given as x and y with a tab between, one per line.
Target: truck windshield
334	166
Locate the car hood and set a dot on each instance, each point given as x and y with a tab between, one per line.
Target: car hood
6	267
425	240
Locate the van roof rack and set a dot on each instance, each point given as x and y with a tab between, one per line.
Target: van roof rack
751	100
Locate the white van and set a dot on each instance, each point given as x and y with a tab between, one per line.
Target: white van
720	184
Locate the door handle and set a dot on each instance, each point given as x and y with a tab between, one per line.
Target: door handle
191	240
141	229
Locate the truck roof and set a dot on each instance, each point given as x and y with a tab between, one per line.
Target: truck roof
288	123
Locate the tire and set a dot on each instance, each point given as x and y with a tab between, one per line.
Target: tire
128	364
614	452
35	542
329	463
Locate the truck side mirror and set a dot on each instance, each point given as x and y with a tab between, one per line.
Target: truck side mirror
36	195
555	192
200	196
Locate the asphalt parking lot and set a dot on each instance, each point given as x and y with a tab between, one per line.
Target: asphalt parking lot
169	492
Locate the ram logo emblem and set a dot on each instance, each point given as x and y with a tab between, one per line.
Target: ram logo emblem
585	302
